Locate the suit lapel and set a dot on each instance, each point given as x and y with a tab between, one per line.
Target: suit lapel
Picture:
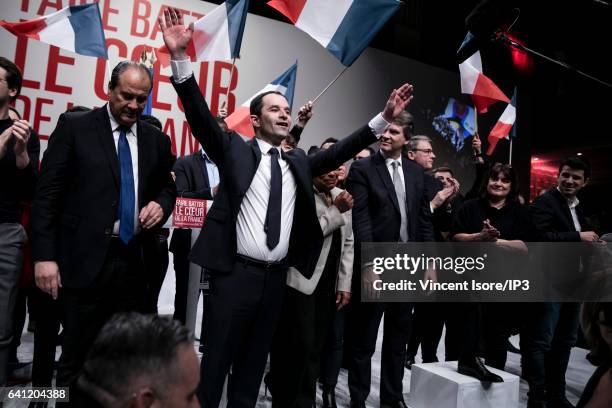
565	209
145	149
409	185
105	136
383	172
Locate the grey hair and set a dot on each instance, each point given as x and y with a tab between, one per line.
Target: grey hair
413	142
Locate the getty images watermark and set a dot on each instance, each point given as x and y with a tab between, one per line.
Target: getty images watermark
485	272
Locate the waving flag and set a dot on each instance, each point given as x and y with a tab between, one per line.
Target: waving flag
76	28
240	120
483	90
344	27
504	125
217	35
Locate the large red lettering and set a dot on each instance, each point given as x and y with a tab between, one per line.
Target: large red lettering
101	67
42	10
186	136
218	90
169	130
38	115
20	60
25	5
54	60
27	106
137	17
106	12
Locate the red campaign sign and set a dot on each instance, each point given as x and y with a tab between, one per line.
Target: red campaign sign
189	213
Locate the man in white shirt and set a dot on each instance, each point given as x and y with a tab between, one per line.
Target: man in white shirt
263	221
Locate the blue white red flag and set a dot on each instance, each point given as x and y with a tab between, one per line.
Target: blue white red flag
75	28
344	27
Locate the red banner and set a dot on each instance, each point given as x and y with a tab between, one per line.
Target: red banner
189	213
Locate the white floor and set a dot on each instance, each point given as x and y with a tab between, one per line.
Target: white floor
577	375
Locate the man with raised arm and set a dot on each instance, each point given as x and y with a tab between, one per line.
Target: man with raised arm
263	220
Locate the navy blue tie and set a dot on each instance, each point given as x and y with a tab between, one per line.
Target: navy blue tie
126	195
273	215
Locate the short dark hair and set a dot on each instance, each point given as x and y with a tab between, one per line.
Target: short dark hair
14	77
577	163
257	102
123	66
329	140
132	346
443	170
507	171
312	150
291	141
406	122
151	120
78	108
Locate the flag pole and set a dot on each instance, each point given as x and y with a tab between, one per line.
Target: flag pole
330	84
229	86
510	155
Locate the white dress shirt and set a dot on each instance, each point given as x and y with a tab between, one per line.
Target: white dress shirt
250	234
572	207
133	143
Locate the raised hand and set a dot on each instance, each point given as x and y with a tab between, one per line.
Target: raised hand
397	102
304	114
176	36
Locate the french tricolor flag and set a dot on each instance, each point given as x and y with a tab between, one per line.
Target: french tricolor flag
504	125
483	90
217	35
344	27
76	28
240	120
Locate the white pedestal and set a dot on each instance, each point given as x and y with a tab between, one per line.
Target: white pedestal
439	385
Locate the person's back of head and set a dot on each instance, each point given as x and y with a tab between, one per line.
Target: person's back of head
140	359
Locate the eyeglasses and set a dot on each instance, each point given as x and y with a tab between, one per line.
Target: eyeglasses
426	151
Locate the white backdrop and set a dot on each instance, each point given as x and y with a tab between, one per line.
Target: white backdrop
56	78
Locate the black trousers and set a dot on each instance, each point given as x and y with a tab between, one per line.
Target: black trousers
47	316
120	287
244	309
427	325
366	320
155	256
181	246
298	344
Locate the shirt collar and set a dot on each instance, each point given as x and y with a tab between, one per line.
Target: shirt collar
389	160
571	203
265	147
114	124
204	155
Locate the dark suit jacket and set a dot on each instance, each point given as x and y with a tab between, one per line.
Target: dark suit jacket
376	212
238	160
553	220
78	192
191	182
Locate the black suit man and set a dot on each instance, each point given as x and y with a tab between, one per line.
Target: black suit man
105	180
262	221
551	329
193	177
391	204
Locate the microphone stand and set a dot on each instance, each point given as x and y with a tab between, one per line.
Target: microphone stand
501	36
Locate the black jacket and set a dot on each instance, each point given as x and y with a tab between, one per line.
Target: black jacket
78	192
237	161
